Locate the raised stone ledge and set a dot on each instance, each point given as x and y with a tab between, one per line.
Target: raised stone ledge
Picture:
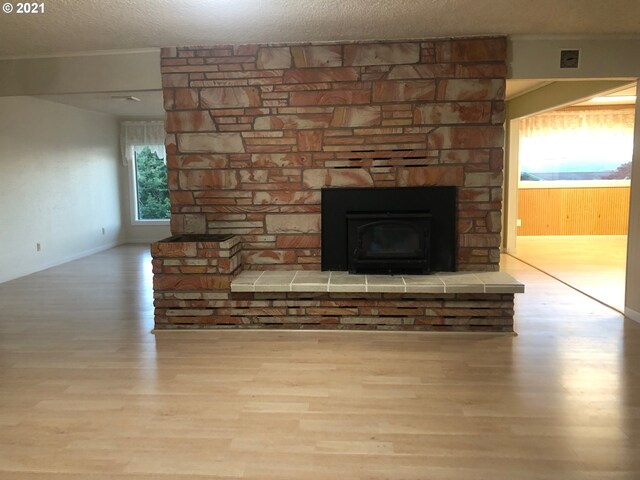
309	281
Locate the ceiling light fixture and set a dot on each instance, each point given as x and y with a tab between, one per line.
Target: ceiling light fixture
131	98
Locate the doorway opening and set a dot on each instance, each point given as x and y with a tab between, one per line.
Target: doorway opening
574	171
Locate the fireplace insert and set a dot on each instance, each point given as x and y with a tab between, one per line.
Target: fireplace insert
389	242
389	230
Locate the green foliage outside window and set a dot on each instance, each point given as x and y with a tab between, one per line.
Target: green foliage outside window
153	192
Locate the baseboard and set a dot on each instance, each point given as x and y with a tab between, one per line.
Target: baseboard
86	253
65	259
632	314
139	241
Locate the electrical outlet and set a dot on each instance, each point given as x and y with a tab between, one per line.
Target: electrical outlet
519	222
103	231
38	247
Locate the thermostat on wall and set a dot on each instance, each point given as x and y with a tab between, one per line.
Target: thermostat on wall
569	58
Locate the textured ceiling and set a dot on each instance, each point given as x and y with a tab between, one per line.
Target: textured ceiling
69	26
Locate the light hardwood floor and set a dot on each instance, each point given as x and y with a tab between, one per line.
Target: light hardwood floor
594	264
87	392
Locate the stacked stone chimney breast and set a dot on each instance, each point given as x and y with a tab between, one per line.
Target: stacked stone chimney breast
254	132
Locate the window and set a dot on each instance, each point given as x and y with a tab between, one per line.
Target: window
577	144
151	190
144	155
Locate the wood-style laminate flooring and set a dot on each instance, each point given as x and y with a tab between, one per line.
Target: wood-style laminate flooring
594	264
87	392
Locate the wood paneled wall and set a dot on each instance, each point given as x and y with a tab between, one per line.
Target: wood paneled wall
573	211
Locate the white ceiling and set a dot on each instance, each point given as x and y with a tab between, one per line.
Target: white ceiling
89	25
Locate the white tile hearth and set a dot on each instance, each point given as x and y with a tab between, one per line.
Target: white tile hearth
385	283
344	282
306	281
274	282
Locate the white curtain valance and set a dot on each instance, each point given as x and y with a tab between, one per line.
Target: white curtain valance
134	134
574	120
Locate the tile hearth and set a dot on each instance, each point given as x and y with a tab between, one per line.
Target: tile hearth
309	281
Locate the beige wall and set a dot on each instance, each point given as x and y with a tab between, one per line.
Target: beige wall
59	171
81	73
632	304
534	57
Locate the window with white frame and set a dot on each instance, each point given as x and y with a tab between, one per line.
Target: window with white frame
144	154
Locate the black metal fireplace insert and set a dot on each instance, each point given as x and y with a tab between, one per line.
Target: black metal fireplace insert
389	230
388	242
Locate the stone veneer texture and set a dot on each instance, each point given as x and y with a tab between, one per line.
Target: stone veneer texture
255	131
192	282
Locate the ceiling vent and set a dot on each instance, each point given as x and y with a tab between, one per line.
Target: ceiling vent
569	58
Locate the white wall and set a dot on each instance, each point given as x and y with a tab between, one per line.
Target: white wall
60	184
142	233
97	72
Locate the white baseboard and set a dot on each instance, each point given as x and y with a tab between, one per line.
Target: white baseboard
632	314
86	253
140	241
65	259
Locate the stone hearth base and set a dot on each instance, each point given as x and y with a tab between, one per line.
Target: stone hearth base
198	284
373	311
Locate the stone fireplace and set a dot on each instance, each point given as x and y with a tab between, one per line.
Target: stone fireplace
257	133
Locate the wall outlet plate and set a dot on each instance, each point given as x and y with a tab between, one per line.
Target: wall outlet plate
569	58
